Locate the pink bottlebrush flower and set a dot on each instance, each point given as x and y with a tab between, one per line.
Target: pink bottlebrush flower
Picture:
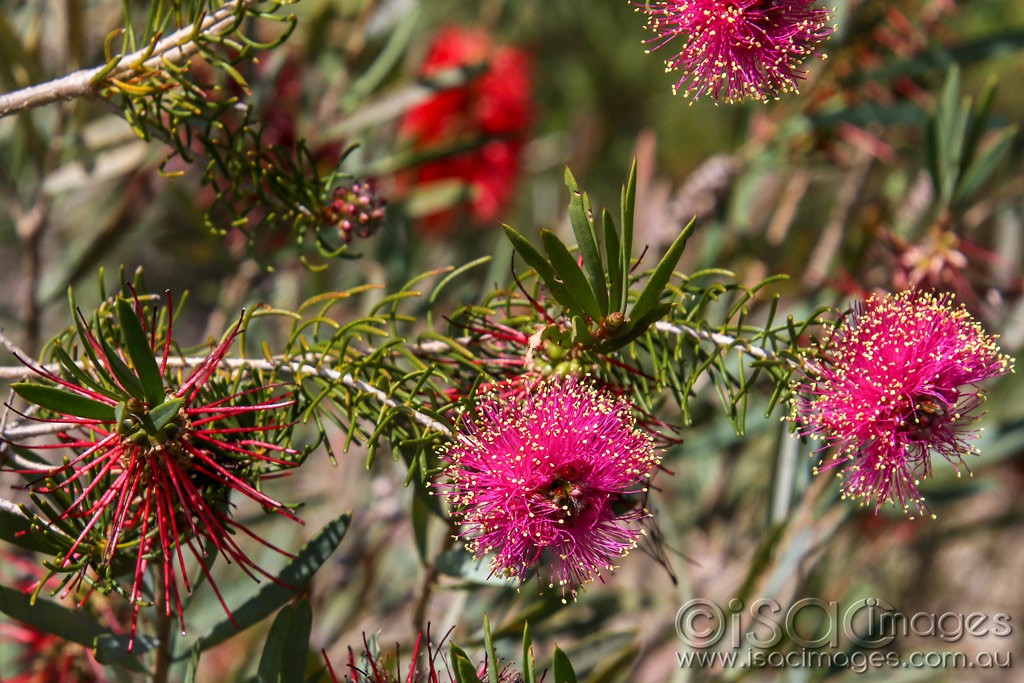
150	474
898	383
538	477
736	49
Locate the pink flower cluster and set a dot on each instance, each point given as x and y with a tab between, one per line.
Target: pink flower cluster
736	49
539	477
898	383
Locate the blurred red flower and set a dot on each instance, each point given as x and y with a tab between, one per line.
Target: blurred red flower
483	123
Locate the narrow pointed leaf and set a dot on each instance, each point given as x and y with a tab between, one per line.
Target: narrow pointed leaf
75	625
978	124
656	283
293	660
581	331
464	672
287	645
162	415
537	261
64	402
529	664
571	274
113	649
83	335
626	231
616	301
586	238
141	353
420	522
16	528
489	652
270	597
269	669
193	663
932	153
561	667
127	378
83	378
982	168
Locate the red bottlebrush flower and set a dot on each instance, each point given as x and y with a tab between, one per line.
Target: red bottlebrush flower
42	657
45	658
490	114
536	478
373	666
153	466
898	384
736	49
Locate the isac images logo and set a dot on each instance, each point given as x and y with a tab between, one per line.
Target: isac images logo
815	633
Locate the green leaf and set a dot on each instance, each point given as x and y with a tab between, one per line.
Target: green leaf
193	663
581	333
626	234
296	574
459	563
529	664
420	522
489	652
75	625
981	169
951	127
656	283
586	238
571	274
128	380
141	353
537	261
84	336
163	414
978	124
615	274
287	645
83	378
464	670
64	402
16	528
561	668
113	649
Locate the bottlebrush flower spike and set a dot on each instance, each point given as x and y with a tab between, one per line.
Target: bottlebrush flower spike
736	49
41	657
536	478
898	383
152	466
491	113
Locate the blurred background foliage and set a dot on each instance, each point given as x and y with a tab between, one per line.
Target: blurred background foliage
839	187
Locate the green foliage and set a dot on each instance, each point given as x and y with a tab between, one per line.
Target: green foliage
958	164
271	597
667	299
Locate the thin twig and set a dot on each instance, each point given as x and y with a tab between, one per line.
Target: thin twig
300	368
295	368
174	49
716	338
